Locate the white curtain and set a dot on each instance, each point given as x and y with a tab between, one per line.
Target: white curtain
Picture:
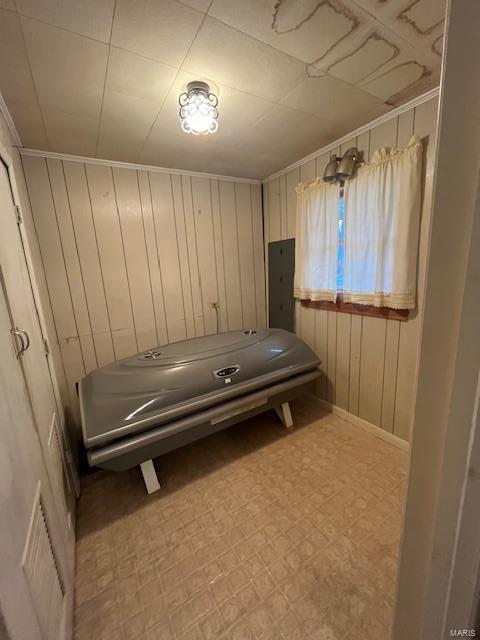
316	241
382	216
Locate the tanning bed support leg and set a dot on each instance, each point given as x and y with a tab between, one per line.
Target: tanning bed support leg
150	476
285	415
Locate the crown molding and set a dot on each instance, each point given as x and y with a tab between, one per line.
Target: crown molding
10	124
130	165
425	97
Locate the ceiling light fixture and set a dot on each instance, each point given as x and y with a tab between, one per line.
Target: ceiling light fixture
198	109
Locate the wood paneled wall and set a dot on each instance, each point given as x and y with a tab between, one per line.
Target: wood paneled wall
135	258
369	364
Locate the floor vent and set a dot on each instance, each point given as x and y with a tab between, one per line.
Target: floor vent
42	573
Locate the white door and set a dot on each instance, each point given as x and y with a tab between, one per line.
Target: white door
34	359
34	585
35	495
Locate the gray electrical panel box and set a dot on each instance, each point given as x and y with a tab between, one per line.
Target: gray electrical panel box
281	269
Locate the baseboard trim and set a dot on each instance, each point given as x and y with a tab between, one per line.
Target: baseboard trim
363	424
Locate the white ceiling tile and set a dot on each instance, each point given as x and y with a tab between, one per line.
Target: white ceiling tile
419	22
159	29
69	133
125	110
179	151
242	62
306	30
409	80
29	124
437	46
335	102
119	142
370	55
17	85
237	110
286	133
199	153
254	56
199	5
92	18
396	79
423	15
12	47
68	69
138	76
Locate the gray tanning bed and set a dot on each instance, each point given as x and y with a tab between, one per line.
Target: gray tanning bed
138	408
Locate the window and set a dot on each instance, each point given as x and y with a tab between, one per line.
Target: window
339	304
341	240
356	246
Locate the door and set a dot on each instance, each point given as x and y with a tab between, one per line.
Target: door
33	359
281	268
35	587
32	441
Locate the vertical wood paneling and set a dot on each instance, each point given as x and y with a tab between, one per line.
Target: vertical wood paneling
342	371
372	369
424	125
308	171
331	356
169	256
86	241
266	239
134	243
355	362
230	248
307	326
151	243
135	258
390	371
243	204
292	178
205	250
321	349
192	255
283	206
219	254
274	216
179	225
376	373
405	127
72	263
363	145
112	259
369	364
258	251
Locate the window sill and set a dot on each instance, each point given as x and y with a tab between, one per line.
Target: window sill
357	309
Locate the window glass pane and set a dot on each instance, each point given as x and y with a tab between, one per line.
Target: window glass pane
340	266
341	240
341	208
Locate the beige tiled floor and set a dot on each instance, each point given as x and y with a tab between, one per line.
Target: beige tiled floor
256	533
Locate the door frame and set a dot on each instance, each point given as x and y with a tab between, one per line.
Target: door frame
438	585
